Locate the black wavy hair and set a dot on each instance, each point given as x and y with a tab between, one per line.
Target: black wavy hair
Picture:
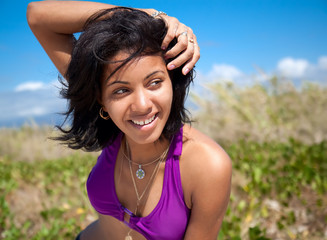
105	34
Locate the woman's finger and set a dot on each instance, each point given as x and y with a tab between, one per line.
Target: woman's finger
183	34
196	56
173	25
186	48
189	56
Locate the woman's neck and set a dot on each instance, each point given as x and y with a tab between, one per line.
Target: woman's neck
145	153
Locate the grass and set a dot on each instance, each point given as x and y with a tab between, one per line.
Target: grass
44	199
276	137
279	191
276	112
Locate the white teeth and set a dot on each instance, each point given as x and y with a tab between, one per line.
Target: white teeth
147	121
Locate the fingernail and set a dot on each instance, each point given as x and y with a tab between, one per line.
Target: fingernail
171	66
186	71
163	47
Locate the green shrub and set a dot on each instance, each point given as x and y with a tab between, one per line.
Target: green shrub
275	112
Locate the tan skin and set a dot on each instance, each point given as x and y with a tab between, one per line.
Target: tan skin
205	167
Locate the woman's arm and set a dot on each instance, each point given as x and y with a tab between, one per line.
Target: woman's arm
54	23
209	190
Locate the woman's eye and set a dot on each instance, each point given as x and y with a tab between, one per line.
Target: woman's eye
155	82
120	91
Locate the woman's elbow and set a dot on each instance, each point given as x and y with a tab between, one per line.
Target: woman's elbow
33	14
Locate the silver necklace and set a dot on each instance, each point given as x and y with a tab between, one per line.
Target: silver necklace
138	196
140	172
153	176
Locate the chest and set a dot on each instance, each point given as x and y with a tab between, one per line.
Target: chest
140	196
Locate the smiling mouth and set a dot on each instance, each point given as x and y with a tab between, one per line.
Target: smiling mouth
145	122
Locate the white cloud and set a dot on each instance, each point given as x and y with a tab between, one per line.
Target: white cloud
29	86
322	62
34	100
219	73
292	68
302	69
34	111
224	71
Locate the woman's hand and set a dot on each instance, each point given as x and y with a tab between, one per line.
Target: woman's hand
186	45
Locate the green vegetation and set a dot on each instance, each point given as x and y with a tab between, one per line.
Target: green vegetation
276	112
279	191
44	199
276	137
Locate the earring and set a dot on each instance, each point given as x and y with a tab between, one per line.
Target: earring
101	114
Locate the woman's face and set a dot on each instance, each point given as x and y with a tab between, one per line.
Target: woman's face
138	97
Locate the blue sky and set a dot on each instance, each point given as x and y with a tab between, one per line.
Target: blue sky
283	37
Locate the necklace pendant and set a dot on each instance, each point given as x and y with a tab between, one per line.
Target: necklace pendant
140	173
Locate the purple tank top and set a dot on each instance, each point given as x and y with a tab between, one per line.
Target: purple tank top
169	218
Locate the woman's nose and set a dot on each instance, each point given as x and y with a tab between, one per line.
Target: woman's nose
141	102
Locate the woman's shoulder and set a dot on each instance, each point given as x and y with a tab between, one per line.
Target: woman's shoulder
204	164
199	147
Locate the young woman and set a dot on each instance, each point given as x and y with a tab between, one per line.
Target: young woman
157	177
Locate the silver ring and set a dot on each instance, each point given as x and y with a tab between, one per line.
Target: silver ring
183	34
158	13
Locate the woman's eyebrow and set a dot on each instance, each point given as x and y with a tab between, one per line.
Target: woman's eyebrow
154	72
117	81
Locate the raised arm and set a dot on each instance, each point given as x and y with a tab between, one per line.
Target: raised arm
54	23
